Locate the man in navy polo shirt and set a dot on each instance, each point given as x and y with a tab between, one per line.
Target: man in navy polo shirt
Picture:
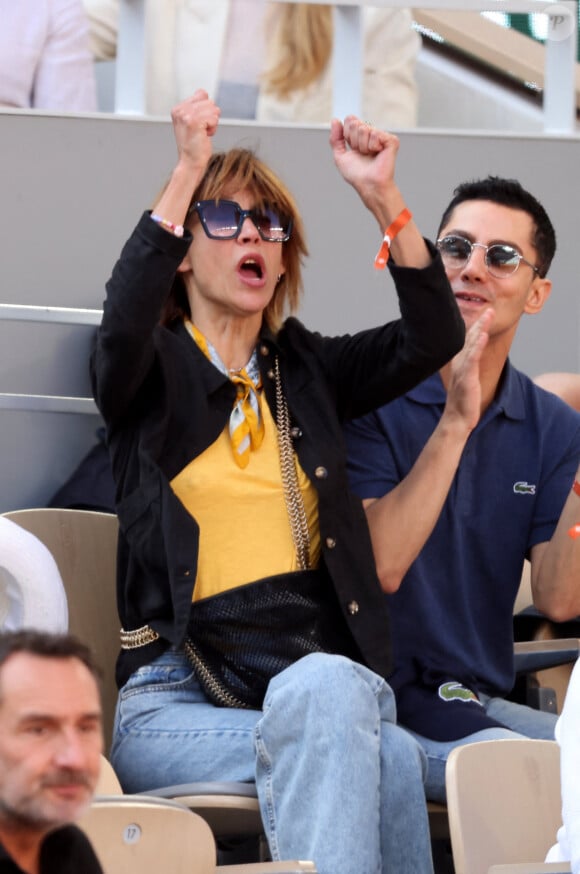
464	477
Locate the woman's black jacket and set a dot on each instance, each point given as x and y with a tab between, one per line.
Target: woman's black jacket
164	403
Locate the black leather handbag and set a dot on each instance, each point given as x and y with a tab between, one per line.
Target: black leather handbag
239	639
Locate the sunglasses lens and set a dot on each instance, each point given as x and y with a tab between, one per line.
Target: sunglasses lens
223	220
270	225
455	251
502	260
220	219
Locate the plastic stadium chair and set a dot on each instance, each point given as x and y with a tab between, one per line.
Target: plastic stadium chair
503	800
83	543
136	835
84	546
133	813
531	868
108	783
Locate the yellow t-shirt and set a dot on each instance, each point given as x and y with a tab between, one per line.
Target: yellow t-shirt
244	528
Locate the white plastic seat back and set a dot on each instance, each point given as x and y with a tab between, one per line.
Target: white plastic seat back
503	802
133	834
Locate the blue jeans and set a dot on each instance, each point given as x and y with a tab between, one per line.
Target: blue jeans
521	721
338	782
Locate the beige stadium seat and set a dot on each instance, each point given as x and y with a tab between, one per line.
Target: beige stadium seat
83	543
139	834
133	834
503	800
108	783
531	868
84	546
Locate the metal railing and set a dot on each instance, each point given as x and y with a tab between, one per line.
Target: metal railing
53	316
559	63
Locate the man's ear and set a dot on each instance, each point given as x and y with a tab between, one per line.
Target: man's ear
539	294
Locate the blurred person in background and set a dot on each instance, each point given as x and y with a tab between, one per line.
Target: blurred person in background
265	61
567	846
50	752
45	61
565	385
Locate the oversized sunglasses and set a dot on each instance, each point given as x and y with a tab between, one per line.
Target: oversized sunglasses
223	220
501	259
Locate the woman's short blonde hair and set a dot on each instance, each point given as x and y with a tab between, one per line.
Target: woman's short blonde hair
241	170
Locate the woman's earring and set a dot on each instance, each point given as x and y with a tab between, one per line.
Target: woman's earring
279	277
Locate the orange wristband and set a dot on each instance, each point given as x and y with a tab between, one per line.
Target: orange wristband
402	219
576	487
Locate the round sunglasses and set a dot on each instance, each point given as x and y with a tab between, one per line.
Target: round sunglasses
501	259
223	220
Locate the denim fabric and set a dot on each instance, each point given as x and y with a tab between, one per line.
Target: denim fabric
337	781
521	721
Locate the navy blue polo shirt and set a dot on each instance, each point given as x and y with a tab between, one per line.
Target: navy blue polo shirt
452	615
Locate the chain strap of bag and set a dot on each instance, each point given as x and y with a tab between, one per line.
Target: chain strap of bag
212	684
218	674
292	492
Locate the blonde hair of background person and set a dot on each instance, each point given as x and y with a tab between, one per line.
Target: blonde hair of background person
187	42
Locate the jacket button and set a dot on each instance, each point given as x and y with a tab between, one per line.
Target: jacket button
271	375
353	607
295	432
330	542
321	473
264	350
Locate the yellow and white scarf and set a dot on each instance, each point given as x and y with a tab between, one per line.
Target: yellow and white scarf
246	425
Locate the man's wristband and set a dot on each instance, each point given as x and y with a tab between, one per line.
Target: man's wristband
576	487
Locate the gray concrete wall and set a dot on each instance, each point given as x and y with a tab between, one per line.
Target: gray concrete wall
72	188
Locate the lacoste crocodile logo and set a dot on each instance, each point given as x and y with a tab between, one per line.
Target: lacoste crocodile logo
453	691
523	488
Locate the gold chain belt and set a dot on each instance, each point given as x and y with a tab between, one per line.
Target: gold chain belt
139	637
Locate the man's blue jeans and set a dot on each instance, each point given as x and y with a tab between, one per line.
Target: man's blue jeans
521	721
338	782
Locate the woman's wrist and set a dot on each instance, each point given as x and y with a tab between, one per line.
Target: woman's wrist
386	204
176	230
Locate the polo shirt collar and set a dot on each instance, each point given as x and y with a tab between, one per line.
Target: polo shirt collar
428	392
509	399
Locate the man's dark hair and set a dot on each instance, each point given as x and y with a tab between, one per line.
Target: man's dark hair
510	193
47	645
